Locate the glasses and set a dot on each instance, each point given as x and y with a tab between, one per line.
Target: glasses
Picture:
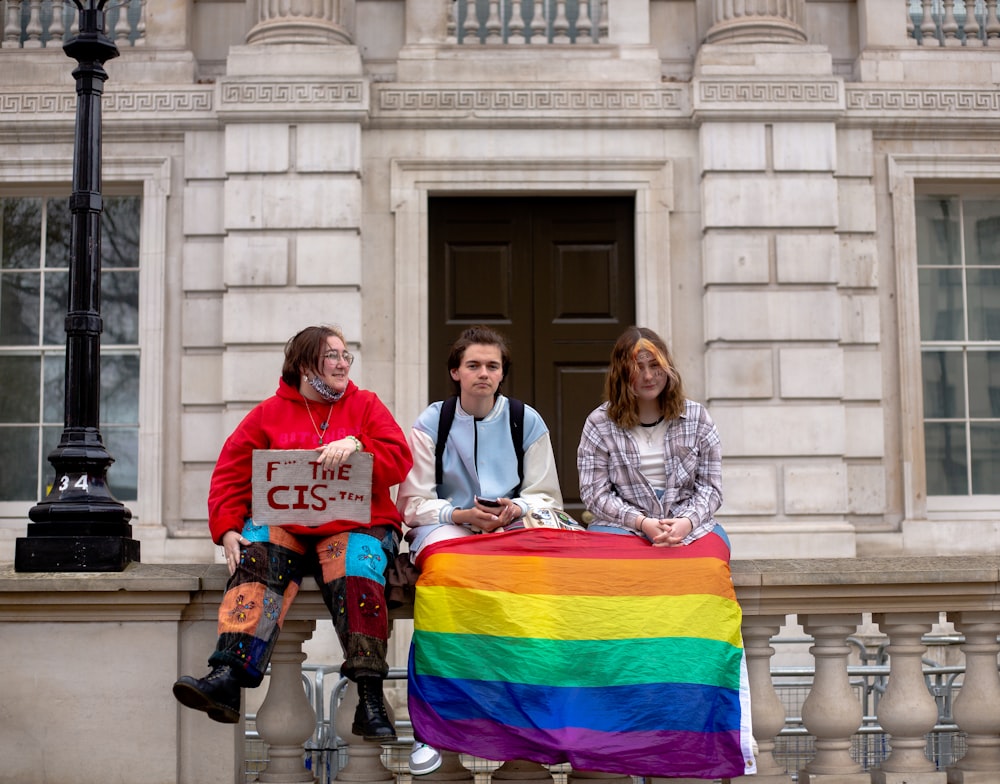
334	357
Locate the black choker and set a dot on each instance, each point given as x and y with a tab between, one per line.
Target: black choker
652	424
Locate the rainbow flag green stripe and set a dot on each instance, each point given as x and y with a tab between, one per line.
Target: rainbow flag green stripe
593	649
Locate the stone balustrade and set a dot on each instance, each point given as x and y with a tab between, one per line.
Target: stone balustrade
85	654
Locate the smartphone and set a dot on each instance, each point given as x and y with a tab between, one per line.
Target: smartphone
491	502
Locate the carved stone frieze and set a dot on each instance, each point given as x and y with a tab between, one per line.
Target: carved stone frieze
302	97
32	106
955	103
445	102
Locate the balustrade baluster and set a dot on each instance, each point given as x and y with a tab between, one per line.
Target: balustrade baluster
33	30
451	35
12	24
515	27
832	712
907	711
767	712
539	27
992	22
928	26
949	25
470	28
975	707
286	720
122	27
911	34
522	771
593	777
971	26
140	26
560	24
584	27
451	771
57	27
602	27
494	31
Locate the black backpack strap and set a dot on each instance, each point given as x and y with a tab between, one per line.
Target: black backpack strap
517	436
447	416
444	427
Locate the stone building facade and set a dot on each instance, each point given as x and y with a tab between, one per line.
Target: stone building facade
816	189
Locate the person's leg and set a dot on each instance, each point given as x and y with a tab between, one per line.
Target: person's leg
352	581
257	597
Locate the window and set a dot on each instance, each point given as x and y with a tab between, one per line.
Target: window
958	284
34	284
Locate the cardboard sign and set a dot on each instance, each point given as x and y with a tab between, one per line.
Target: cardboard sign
291	488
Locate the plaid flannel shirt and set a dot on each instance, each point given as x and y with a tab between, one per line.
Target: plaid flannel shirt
617	493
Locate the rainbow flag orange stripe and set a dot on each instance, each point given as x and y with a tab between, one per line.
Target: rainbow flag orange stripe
593	649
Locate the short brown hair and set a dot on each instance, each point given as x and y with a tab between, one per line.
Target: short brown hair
305	350
623	408
478	336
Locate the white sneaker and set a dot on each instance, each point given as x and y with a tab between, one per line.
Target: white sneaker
424	759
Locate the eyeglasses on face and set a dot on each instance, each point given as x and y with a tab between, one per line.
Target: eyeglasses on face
333	357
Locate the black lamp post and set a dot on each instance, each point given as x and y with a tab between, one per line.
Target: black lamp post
80	526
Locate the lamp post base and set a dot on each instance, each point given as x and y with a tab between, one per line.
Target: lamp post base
103	553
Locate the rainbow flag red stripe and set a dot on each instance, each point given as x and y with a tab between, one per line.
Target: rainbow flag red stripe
593	649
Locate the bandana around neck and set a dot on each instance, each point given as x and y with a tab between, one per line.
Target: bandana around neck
324	390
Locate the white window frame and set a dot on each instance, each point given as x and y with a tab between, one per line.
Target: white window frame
149	177
908	173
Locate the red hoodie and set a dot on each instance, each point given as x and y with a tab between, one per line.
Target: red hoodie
283	422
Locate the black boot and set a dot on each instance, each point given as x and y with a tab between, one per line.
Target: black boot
370	719
218	694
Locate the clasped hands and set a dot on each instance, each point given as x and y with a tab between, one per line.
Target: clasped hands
666	531
488	518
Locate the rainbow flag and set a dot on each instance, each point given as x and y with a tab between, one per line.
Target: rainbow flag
594	649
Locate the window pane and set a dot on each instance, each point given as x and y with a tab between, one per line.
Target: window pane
984	385
57	233
119	389
54	394
50	440
123	475
985	457
56	307
946	459
21	232
984	304
937	230
982	232
19	390
18	456
944	385
941	311
120	232
120	307
19	292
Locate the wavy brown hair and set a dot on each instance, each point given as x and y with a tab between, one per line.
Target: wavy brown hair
306	350
478	336
623	406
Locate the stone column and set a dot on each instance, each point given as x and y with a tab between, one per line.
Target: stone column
757	21
975	709
303	22
832	712
286	720
766	709
907	711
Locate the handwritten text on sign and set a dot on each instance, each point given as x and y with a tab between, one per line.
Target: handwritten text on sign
291	488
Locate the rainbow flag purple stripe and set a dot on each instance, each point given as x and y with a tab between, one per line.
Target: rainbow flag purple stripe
598	650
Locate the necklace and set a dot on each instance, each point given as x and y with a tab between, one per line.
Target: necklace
321	430
650	432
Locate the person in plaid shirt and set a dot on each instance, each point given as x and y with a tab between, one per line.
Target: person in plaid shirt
650	459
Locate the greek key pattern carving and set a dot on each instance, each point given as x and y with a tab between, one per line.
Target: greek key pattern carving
124	102
461	99
773	92
300	93
882	100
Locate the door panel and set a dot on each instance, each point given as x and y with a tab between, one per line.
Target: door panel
556	276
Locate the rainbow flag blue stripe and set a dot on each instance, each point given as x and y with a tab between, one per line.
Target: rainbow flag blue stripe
593	649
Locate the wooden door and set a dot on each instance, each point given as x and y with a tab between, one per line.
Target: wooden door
556	276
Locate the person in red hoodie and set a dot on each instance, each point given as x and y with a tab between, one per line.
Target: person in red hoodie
318	407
